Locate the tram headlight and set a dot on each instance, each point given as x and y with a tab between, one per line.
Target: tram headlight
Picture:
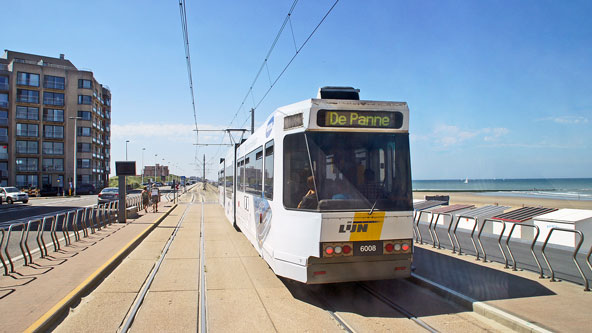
338	250
397	247
329	250
405	247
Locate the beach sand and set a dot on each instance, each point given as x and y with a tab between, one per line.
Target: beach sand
514	202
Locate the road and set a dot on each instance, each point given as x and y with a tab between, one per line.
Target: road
37	207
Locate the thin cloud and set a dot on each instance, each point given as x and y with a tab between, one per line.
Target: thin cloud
450	135
566	120
183	133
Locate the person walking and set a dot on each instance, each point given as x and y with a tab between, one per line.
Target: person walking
145	199
155	194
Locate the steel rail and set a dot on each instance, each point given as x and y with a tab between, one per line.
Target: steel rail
397	308
202	306
140	299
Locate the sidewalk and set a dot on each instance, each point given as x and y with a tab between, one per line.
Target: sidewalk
488	288
28	294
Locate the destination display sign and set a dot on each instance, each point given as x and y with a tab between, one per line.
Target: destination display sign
360	119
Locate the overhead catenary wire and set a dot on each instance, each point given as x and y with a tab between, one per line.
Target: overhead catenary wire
287	21
183	14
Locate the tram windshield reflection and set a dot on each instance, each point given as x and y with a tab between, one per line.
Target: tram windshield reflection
351	171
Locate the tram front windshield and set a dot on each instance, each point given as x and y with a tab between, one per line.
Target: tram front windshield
334	171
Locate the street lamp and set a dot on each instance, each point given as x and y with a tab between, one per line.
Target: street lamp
126	141
75	149
155	155
143	165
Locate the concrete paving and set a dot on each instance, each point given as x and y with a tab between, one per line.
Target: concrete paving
244	295
556	306
28	294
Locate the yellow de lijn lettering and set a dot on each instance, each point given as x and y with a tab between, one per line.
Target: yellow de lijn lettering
369	227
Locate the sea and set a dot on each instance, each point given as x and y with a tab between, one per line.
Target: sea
552	188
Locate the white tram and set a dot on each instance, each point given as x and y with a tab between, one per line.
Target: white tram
323	189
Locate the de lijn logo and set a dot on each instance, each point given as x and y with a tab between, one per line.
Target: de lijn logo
269	127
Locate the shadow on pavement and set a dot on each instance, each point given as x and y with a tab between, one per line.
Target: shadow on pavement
475	281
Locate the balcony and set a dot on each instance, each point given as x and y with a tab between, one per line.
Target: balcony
3	138
3	121
53	101
26	168
54	85
3	156
4	86
4	104
27	99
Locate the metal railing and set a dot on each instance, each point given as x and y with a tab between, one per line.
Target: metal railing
74	225
478	230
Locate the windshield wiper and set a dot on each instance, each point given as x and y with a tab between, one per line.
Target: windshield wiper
373	205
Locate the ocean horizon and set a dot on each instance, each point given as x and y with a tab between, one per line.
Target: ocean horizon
554	188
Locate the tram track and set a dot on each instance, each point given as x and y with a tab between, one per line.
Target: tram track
136	305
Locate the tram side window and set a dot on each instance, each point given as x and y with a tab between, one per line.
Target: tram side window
297	169
254	171
229	181
241	175
268	181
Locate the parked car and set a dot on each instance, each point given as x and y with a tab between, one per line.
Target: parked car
50	191
85	189
13	194
108	194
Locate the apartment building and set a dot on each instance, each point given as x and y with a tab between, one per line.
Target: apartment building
46	105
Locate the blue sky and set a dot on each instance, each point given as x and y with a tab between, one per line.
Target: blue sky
496	89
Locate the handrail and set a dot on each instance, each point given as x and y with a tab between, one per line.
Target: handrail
27	238
586	285
450	236
8	241
499	240
1	256
420	239
531	248
43	249
65	229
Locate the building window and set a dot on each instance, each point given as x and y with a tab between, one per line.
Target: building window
84	84
53	164
54	82
3	134
84	99
53	132
27	181
4	83
27	112
3	170
26	164
83	148
4	152
51	98
53	115
84	179
83	131
27	147
3	118
4	100
53	148
27	79
83	163
30	130
27	96
85	115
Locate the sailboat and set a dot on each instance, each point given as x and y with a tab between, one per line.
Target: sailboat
466	180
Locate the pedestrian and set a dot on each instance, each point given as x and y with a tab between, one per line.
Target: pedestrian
155	194
145	199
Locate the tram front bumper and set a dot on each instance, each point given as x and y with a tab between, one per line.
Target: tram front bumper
362	269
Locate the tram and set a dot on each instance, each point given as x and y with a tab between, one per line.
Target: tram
323	189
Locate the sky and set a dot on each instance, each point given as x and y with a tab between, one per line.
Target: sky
496	89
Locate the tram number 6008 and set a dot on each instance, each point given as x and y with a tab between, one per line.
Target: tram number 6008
368	248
